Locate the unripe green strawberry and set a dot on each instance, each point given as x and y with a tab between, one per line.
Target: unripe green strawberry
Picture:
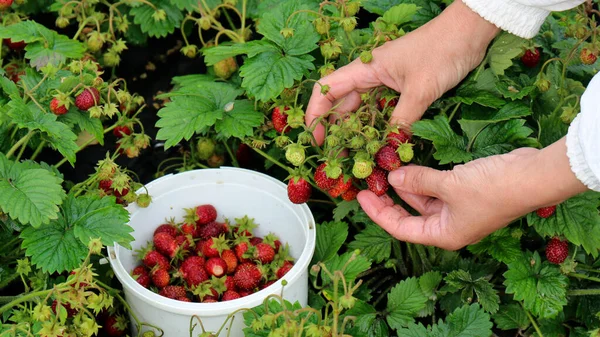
588	55
190	51
542	84
287	32
305	137
357	142
332	141
326	70
363	165
373	147
331	49
95	41
204	23
352	8
295	154
322	25
347	301
405	151
111	59
568	115
225	68
143	200
62	22
205	148
348	24
295	117
366	56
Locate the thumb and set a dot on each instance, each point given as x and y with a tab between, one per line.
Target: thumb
410	108
419	180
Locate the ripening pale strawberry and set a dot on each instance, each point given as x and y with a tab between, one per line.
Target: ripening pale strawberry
225	68
378	182
141	276
321	179
216	266
247	276
206	214
362	168
56	108
230	295
160	277
166	244
557	251
546	212
279	119
299	190
388	159
173	292
230	260
87	99
588	56
531	57
264	253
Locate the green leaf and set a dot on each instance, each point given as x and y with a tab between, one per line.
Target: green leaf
379	6
450	147
29	116
195	108
429	282
576	218
43	45
330	238
502	138
511	317
469	94
240	122
503	50
512	90
268	74
359	265
251	48
62	244
467	321
84	122
373	242
400	14
29	194
53	247
142	15
405	300
501	245
367	322
463	280
185	4
552	129
344	208
287	15
540	286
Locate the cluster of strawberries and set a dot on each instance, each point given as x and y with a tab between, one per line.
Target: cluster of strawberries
204	260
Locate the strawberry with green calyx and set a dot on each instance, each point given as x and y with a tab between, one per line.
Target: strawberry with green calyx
397	136
255	240
169	228
219	284
295	117
295	154
186	243
326	70
299	190
378	182
262	252
531	57
357	142
143	200
405	152
342	185
284	269
205	291
322	25
542	83
120	184
366	56
321	179
141	275
280	119
370	132
151	258
588	55
88	98
282	140
190	51
557	250
205	148
387	158
245	226
387	101
106	168
272	240
121	131
213	247
115	326
57	108
363	165
247	276
241	245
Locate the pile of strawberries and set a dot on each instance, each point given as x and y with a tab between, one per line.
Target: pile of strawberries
204	260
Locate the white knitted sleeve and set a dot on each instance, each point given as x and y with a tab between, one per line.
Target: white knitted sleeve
520	17
583	138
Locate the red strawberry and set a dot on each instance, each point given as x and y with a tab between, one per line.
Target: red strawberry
154	258
230	295
160	277
378	182
56	108
207	248
340	187
70	311
557	251
382	103
255	240
87	99
244	293
185	242
546	212
192	270
105	185
115	326
206	214
241	247
279	120
287	265
247	276
244	155
299	190
388	159
588	56
121	193
531	57
167	228
396	138
141	276
210	230
216	266
166	244
230	283
121	131
209	300
184	299
321	179
190	229
351	193
264	253
5	4
173	292
20	45
230	260
268	283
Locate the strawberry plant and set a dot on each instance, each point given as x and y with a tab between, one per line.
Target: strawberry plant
80	133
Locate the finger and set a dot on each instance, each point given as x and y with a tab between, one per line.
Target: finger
410	108
341	82
391	219
423	204
418	180
344	105
390	202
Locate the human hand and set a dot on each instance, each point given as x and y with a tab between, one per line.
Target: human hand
422	65
462	206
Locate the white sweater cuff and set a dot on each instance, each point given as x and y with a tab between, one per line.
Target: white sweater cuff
518	19
577	157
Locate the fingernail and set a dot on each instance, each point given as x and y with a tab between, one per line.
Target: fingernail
396	178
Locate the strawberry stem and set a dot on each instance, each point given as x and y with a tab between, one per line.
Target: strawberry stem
584	292
584	277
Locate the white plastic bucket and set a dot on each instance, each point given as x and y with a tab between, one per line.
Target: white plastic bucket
235	193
